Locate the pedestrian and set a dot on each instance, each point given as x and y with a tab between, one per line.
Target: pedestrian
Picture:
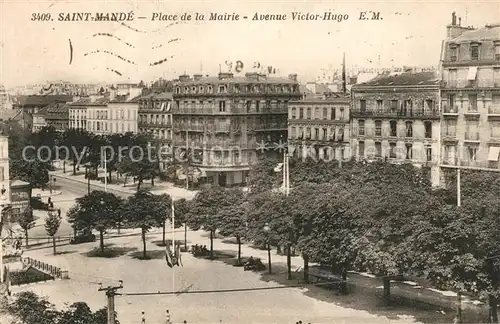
167	317
455	320
185	322
143	318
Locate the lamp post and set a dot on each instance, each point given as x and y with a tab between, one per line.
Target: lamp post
266	230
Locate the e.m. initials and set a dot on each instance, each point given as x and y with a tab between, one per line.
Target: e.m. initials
365	15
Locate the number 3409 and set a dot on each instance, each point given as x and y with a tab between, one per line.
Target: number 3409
41	17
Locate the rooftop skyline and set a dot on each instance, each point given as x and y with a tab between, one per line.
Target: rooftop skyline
409	33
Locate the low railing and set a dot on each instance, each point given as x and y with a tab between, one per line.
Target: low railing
44	267
409	113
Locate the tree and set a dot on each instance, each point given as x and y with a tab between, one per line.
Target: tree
141	211
262	175
32	309
26	221
204	211
77	141
52	223
162	206
98	210
141	163
181	214
233	218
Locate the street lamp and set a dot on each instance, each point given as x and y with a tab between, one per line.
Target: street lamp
266	230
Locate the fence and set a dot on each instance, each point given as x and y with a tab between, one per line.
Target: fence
42	266
34	241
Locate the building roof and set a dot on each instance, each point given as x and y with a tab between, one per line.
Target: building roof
328	100
57	108
126	99
402	80
41	112
40	100
163	96
478	35
264	79
86	101
18	183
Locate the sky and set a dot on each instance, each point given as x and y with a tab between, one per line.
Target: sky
409	33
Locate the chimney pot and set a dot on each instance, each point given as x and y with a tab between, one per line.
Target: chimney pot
453	18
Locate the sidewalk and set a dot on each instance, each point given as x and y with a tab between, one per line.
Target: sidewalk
44	193
158	189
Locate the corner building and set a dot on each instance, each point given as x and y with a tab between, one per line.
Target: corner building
470	94
396	118
227	121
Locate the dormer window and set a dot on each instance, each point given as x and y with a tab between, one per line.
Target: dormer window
497	50
209	89
193	89
222	89
201	89
236	88
474	51
453	52
186	90
178	90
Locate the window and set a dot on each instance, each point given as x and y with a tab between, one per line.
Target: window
193	89
474	52
473	102
178	90
393	125
293	132
428	153
361	149
308	132
361	127
308	113
316	133
222	89
472	152
325	113
257	106
316	113
409	129
394	106
451	103
428	129
222	106
341	113
301	113
429	105
362	105
378	128
453	52
380	104
392	150
378	149
268	104
325	134
409	151
452	77
497	51
294	113
301	133
332	113
209	89
496	77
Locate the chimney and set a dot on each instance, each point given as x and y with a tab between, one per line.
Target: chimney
292	77
252	76
453	18
197	77
184	78
454	30
459	21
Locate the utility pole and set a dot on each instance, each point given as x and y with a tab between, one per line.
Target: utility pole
110	294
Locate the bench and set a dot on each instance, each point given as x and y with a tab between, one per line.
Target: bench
328	279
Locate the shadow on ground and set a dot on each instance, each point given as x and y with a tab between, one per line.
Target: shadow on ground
110	251
65	252
160	243
367	298
150	255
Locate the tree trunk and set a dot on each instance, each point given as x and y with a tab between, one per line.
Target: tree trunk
125	181
109	176
164	225
238	240
64	166
211	244
306	267
139	182
185	237
74	166
26	237
152	181
493	309
54	243
101	240
144	243
289	262
344	281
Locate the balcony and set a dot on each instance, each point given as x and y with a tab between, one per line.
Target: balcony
494	111
472	136
154	125
449	136
449	160
391	113
450	110
211	145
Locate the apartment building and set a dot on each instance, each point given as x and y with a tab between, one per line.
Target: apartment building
319	128
96	115
226	121
396	117
470	94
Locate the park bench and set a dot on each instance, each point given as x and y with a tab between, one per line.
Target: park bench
326	278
